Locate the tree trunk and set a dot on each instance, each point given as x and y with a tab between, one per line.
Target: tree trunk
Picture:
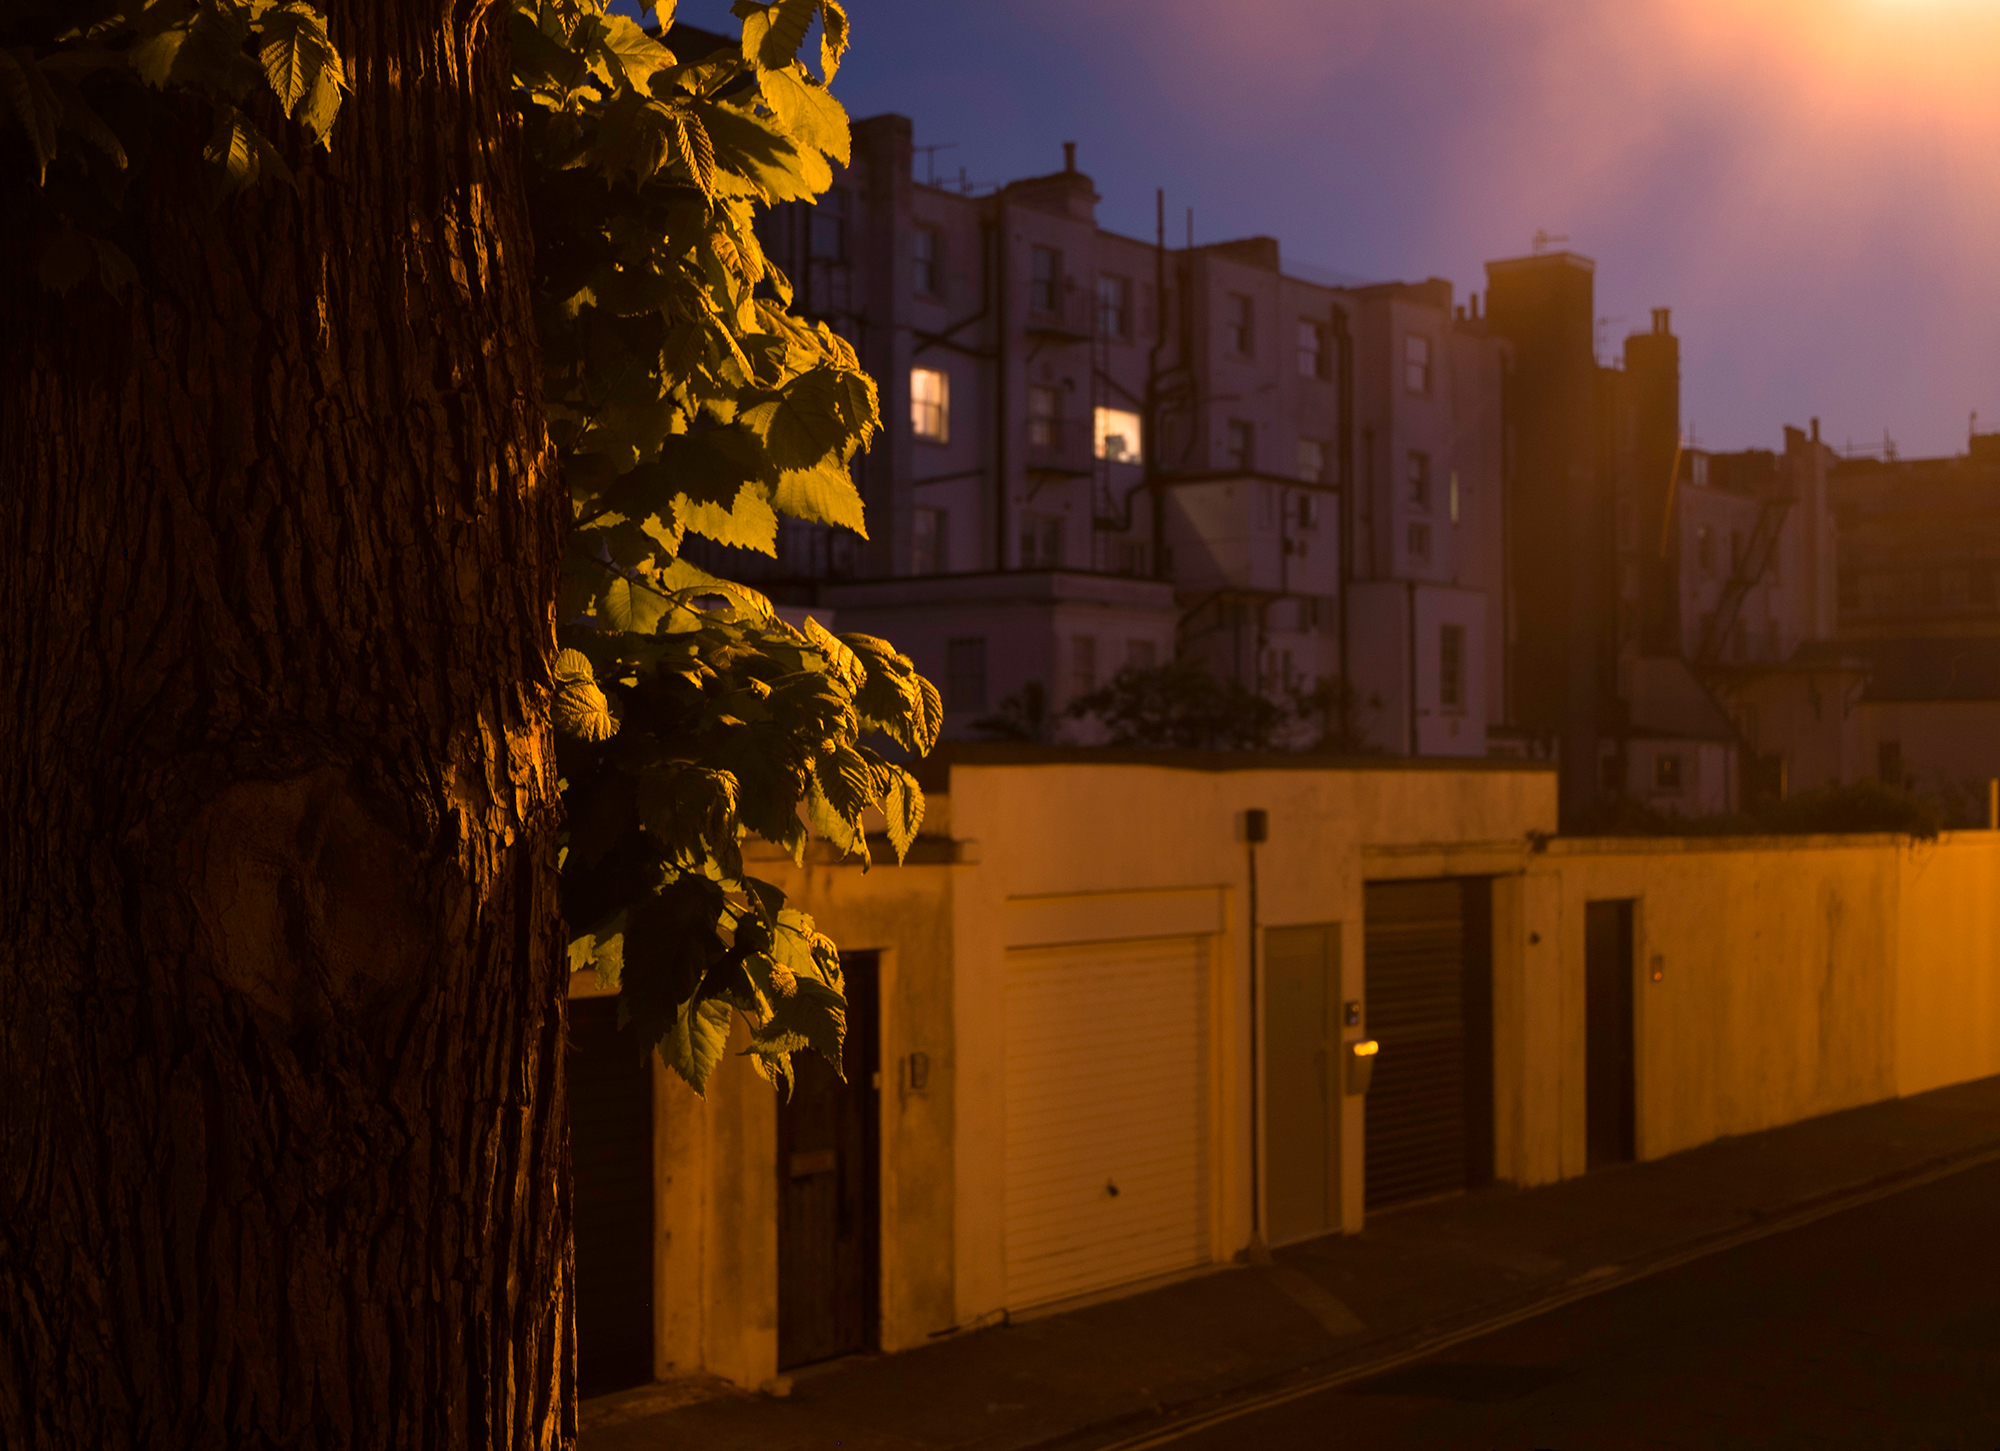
282	1114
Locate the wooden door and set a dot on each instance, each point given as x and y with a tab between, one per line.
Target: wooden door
829	1221
1607	1026
611	1154
1302	1082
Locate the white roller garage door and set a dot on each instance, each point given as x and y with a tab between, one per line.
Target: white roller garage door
1107	1115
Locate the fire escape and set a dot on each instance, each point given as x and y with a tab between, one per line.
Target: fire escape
1746	571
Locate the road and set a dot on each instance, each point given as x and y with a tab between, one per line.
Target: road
1878	1326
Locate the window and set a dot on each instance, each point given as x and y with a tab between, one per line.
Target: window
1141	654
1420	542
1312	461
1044	416
1451	668
1667	772
927	255
1420	479
1312	349
1045	280
965	673
1704	549
1889	762
1241	331
1082	665
1454	496
929	542
1417	364
1132	557
1041	541
930	404
1614	774
1114	307
1118	435
829	227
1736	559
1239	445
1307	510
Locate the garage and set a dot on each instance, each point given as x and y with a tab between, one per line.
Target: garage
1429	973
1107	1115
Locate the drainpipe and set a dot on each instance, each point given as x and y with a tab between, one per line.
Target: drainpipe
1344	450
1410	586
1003	481
1256	828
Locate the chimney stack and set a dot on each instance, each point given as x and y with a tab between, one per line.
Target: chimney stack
1069	156
1660	325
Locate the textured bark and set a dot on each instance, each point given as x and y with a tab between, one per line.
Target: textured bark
281	1101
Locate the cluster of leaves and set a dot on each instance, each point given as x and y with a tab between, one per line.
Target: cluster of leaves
1856	807
685	398
1182	706
89	88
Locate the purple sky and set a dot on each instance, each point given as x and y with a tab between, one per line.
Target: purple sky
1814	188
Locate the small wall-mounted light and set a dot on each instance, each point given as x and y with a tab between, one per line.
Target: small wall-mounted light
1659	967
1352	1015
920	1072
1361	1064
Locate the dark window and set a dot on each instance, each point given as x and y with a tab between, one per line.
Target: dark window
1889	762
1045	280
1312	349
1114	307
1420	542
1041	541
1044	416
1667	772
1451	667
927	255
1242	325
965	673
1082	664
1420	479
1417	364
929	537
1240	445
829	227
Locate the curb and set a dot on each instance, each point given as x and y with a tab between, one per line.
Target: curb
1400	1348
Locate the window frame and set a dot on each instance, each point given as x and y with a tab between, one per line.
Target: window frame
1418	373
940	407
1243	460
1240	326
1118	307
927	271
1045	293
1451	668
1312	349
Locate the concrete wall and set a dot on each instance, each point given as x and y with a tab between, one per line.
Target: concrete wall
1948	962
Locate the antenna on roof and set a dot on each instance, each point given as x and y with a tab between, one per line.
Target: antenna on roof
930	158
1542	240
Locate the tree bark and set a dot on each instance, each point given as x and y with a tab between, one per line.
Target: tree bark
282	1111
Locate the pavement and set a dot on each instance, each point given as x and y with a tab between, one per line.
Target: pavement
1416	1278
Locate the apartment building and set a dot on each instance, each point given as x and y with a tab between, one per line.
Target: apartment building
1101	451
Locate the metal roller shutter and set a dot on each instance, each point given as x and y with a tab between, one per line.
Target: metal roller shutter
1107	1115
1415	965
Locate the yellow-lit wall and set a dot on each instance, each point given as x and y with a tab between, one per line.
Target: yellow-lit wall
1948	962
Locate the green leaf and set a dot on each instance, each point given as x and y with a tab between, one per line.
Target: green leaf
903	805
818	1014
635	54
630	606
832	38
748	523
34	104
696	1042
841	662
772	34
807	110
822	414
241	152
581	711
824	495
154	57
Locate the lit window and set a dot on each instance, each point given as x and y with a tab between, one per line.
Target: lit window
1312	349
1420	479
829	227
1417	364
1312	461
1451	667
927	255
965	673
928	540
1118	435
1242	329
1045	280
1420	542
1239	445
930	404
1114	307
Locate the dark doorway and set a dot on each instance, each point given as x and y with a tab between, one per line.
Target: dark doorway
611	1154
829	1223
1428	971
1611	1100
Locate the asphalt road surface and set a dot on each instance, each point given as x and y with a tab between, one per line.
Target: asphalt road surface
1878	1326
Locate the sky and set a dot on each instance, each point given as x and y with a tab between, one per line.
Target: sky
1813	186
